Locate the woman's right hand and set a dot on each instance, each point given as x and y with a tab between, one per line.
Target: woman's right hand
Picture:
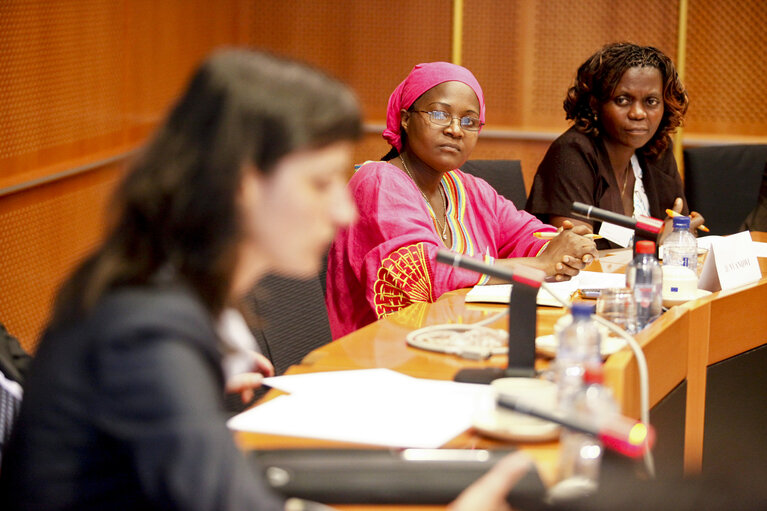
489	492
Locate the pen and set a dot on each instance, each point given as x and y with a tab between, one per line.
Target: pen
550	235
672	214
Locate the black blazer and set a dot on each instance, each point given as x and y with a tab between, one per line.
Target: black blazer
124	410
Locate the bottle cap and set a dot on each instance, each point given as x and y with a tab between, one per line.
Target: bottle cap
681	222
581	309
594	374
645	247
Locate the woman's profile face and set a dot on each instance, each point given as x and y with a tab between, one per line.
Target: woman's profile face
632	115
290	215
442	148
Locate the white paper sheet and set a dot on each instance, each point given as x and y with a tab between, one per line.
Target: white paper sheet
336	381
760	248
376	407
500	293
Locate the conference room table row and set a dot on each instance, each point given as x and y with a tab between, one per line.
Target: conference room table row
678	346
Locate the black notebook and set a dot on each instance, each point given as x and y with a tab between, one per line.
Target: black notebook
410	476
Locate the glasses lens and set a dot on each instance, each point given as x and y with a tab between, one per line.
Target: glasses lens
470	123
440	117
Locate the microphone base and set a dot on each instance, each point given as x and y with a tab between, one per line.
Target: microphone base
485	375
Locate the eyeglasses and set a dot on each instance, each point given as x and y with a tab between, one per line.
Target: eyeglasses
440	118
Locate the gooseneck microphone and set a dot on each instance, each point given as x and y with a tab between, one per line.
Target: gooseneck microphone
524	274
522	317
622	434
647	226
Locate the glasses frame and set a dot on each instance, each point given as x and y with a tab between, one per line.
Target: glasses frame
452	118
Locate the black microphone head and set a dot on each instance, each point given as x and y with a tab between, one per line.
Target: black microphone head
447	257
581	208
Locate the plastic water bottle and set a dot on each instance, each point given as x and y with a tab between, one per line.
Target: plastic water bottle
581	454
578	348
681	248
645	278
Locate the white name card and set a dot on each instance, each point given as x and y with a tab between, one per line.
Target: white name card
621	236
731	262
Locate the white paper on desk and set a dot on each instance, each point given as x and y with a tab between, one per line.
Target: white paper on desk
760	248
500	293
731	262
492	293
411	412
336	381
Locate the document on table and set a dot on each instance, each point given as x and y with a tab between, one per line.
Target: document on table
500	293
760	248
368	406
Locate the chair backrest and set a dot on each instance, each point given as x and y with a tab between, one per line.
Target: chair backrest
291	318
722	183
503	175
10	404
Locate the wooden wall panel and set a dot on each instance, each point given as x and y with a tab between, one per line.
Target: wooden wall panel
44	233
61	86
371	45
526	54
82	83
726	72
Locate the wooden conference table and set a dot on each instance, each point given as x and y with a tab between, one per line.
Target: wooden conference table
678	346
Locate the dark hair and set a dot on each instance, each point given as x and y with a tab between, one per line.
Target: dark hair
598	77
176	209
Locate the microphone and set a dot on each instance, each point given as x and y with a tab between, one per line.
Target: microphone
522	317
617	432
523	274
645	226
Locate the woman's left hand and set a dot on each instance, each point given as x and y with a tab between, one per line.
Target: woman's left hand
245	383
696	220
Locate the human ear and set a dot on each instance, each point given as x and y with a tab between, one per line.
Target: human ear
404	119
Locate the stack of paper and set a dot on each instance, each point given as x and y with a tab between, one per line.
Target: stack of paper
368	406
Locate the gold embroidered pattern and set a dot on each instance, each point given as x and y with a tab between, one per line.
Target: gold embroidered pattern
403	278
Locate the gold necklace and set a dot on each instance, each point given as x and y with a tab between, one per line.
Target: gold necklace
443	228
625	180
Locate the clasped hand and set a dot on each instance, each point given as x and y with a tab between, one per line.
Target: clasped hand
568	252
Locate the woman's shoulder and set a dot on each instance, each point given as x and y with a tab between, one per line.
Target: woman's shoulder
153	308
373	168
377	176
574	150
573	138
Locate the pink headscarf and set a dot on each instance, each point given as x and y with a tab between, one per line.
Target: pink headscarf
422	78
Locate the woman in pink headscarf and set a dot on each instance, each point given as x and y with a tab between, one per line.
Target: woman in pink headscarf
417	201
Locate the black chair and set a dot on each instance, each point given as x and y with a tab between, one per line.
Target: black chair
290	318
722	183
503	175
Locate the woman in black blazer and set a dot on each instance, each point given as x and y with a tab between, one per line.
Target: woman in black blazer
123	406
